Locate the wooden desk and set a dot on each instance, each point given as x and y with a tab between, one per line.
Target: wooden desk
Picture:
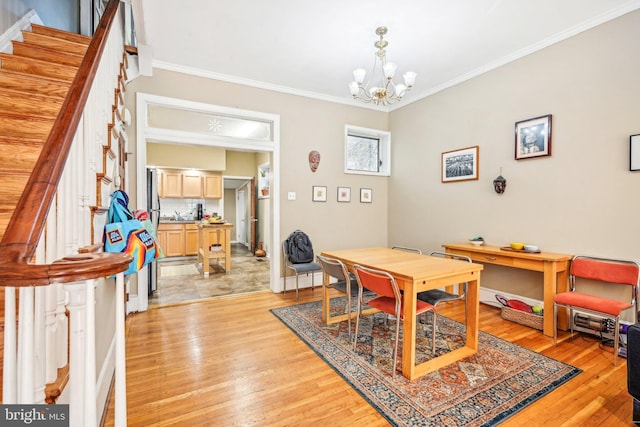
416	273
223	232
554	266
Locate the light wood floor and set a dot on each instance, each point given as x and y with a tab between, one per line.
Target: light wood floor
230	362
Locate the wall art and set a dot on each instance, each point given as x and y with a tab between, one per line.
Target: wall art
344	194
533	137
319	193
365	195
634	152
460	165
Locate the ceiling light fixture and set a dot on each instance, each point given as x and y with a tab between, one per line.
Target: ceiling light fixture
383	90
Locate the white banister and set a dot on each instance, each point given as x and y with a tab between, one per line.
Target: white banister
39	349
90	417
25	346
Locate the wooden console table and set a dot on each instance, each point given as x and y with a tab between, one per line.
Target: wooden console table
223	237
554	266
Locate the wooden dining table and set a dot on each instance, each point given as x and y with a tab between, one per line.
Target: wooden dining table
416	273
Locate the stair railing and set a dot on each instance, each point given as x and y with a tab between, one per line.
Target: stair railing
56	199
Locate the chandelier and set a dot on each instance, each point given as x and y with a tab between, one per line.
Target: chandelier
382	90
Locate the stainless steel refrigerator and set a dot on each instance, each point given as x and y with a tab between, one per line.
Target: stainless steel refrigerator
153	207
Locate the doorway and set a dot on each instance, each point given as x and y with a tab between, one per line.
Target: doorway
266	143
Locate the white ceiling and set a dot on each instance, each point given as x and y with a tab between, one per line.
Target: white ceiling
311	47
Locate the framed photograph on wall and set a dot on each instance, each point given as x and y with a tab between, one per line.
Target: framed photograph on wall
365	195
319	193
344	194
533	137
634	153
460	165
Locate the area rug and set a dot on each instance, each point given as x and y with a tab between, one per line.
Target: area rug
482	390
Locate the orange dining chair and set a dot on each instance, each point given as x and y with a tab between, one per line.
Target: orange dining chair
604	270
343	282
387	300
436	296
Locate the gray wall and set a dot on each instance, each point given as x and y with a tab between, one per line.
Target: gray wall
61	14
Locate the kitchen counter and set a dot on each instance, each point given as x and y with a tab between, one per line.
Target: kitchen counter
176	221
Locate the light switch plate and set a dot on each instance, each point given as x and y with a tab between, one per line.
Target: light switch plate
291	195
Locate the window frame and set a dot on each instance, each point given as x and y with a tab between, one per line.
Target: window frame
384	152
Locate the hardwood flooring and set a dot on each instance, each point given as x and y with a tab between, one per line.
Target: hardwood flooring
230	362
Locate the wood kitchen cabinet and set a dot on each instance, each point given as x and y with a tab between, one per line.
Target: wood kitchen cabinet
191	186
172	239
190	239
171	184
212	186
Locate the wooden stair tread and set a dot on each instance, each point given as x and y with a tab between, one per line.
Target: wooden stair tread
19	158
27	50
61	34
38	84
37	67
26	103
17	125
54	43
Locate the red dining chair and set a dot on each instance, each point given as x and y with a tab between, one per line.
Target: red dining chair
387	300
604	270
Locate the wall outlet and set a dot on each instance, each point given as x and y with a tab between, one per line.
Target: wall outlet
291	195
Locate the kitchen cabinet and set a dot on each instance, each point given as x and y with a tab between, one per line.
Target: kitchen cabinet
191	186
190	239
212	186
172	240
171	184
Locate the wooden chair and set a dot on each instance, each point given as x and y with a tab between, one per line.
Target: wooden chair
345	283
436	296
388	300
407	249
604	270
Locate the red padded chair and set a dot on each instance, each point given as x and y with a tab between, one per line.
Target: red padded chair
388	300
617	272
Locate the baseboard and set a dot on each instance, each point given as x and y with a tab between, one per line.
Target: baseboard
304	281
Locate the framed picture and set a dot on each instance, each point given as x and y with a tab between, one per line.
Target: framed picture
344	194
533	137
634	153
460	165
365	195
319	193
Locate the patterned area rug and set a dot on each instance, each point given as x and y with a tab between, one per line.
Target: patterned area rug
482	390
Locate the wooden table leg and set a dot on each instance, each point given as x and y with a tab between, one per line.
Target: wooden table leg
550	284
409	331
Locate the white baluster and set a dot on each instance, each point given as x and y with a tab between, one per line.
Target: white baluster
25	346
51	344
90	417
62	327
120	416
77	316
10	369
39	351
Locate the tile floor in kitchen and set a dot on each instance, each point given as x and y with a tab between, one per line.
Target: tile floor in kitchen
181	280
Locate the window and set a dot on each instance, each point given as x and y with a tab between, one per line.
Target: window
367	151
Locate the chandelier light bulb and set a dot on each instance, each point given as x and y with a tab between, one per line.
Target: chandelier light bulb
409	78
389	70
359	74
387	92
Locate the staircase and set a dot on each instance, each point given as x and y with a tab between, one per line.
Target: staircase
34	81
61	109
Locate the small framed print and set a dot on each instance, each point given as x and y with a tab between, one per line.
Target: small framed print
460	165
344	194
634	153
533	137
365	195
319	193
